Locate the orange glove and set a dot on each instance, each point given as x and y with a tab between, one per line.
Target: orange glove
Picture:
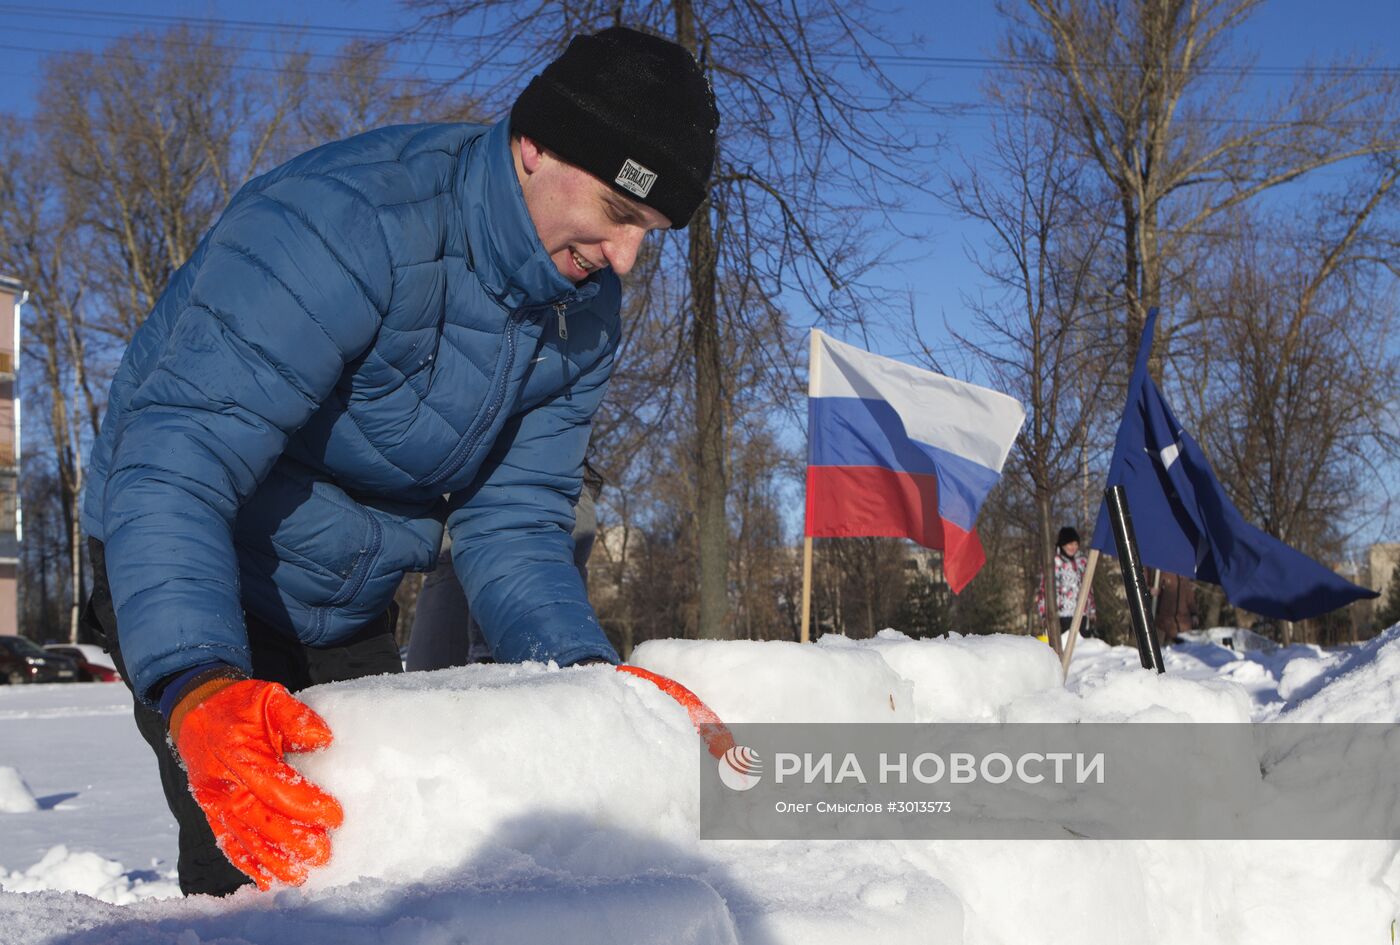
711	729
269	821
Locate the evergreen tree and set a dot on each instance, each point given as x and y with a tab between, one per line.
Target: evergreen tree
926	609
983	606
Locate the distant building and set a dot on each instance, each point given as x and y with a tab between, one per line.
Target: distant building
926	560
1377	570
12	297
1381	559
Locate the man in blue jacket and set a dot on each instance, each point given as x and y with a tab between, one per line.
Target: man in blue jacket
406	329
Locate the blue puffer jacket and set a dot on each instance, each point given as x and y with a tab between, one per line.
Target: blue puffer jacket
367	329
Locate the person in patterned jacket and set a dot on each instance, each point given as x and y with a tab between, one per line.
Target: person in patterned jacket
1069	576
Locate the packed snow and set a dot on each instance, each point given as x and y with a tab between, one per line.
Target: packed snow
15	796
529	804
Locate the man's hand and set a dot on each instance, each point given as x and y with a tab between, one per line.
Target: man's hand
270	822
711	729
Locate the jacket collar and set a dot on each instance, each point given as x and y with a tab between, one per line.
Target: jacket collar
503	248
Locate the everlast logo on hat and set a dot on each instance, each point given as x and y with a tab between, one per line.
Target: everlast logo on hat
636	178
634	110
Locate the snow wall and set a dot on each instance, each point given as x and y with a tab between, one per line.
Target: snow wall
529	804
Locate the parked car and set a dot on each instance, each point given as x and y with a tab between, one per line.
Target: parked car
21	661
94	663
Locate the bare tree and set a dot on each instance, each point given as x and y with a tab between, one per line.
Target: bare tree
1296	371
43	612
1036	330
809	144
1152	92
762	567
151	136
359	92
1154	96
39	241
649	505
138	147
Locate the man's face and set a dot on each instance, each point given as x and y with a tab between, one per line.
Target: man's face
583	223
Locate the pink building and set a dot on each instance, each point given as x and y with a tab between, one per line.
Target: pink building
12	297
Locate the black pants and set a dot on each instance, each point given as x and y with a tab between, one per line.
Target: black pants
1086	627
276	658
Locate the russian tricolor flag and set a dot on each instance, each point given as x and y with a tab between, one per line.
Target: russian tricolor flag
900	452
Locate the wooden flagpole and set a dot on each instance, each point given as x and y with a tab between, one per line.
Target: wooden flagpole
1079	608
806	588
813	363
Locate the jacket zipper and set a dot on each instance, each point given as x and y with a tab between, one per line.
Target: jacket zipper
498	395
559	309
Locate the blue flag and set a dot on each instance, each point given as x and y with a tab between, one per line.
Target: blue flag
1185	523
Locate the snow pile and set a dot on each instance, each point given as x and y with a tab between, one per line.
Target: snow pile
532	804
15	796
1306	673
1168	892
91	875
1269	674
1358	685
1108	684
644	910
1237	639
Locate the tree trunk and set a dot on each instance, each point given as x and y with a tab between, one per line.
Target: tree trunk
76	357
869	605
1135	316
75	574
1215	603
1047	565
712	528
44	594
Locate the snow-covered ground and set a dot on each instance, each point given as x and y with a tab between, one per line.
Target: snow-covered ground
529	804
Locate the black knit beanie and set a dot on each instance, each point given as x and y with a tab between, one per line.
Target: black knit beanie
1066	535
632	109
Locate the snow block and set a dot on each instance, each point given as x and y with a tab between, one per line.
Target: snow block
781	681
964	678
517	775
493	769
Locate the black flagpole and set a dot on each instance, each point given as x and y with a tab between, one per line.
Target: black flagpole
1134	581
